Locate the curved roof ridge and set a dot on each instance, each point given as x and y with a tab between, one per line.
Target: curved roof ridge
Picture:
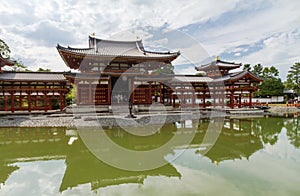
244	72
6	61
72	48
152	52
114	41
226	62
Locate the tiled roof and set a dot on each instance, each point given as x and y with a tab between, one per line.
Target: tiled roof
5	61
117	48
154	78
188	79
219	64
80	76
236	76
32	76
174	78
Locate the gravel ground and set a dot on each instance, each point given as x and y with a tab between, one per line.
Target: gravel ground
68	120
91	120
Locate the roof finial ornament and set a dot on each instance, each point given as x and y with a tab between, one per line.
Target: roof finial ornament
217	58
137	37
93	34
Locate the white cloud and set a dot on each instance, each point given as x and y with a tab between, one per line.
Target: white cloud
35	178
32	28
281	51
181	69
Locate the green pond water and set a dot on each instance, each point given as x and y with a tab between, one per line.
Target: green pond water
259	156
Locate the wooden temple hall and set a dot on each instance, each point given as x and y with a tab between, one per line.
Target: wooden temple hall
116	72
28	91
109	73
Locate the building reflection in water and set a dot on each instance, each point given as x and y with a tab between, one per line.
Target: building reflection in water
239	138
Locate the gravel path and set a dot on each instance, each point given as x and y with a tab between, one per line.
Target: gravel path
68	120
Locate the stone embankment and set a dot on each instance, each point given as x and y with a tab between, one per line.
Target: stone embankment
36	121
282	110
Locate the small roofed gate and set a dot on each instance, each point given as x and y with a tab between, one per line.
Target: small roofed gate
23	91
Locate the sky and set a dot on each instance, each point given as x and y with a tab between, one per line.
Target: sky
250	32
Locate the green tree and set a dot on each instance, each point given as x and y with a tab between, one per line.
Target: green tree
258	70
166	69
5	52
289	83
293	78
271	87
271	72
71	96
18	67
201	73
293	131
4	49
247	67
43	70
272	84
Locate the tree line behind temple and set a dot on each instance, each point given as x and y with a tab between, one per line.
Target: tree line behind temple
271	86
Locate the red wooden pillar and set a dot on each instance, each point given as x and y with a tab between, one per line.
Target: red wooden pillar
193	99
240	100
150	93
171	98
250	99
232	99
160	92
5	102
29	101
221	101
50	101
45	101
131	90
219	96
20	100
214	98
90	94
35	104
64	104
12	97
108	93
223	96
204	101
61	104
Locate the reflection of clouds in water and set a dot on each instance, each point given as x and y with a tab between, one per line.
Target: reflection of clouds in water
35	178
283	149
187	185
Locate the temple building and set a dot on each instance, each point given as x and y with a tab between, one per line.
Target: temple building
112	72
4	62
235	85
27	91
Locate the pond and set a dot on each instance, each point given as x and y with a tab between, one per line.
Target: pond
259	156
